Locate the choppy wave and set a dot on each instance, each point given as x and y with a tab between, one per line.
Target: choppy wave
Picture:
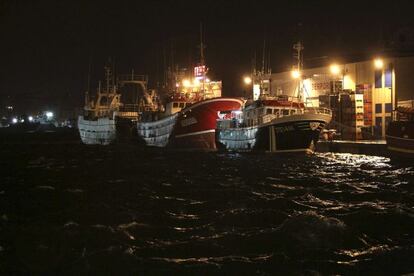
126	210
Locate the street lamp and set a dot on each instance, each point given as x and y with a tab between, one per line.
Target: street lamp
334	68
247	80
295	74
378	63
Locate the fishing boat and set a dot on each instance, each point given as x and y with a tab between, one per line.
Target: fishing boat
278	123
273	124
400	133
188	120
116	109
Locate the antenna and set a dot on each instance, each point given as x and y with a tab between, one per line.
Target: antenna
89	82
108	80
269	68
164	77
113	73
298	47
173	72
201	44
264	53
202	61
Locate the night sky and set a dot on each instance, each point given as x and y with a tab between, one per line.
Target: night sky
46	46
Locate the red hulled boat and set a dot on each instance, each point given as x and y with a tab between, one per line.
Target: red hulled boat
189	118
191	112
195	126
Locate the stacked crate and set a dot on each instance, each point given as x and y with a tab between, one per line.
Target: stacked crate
352	116
366	90
331	102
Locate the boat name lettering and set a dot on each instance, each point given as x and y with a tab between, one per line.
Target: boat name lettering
188	122
284	129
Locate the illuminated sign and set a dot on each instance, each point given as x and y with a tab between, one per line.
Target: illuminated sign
321	86
199	71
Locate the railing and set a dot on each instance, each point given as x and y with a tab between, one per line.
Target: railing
318	110
129	108
269	117
127	114
281	98
266	118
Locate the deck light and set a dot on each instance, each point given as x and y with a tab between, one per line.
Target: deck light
186	83
49	115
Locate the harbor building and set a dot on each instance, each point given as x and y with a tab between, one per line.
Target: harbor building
362	92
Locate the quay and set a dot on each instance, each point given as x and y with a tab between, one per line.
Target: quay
371	147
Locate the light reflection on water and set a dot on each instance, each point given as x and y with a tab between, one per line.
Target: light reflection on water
125	210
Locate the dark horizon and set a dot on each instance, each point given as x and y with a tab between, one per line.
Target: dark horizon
47	46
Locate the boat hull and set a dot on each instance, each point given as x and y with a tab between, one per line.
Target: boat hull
193	128
400	138
295	133
101	131
157	133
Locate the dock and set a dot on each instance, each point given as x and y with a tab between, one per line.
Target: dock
371	147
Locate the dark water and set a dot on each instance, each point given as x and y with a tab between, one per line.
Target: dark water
66	208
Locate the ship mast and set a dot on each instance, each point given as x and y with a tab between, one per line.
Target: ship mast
298	47
108	80
201	45
202	61
89	84
263	57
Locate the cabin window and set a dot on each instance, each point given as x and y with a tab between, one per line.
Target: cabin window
181	105
268	111
292	111
175	105
285	112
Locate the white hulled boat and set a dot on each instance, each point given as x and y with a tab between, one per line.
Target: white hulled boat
113	114
273	124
